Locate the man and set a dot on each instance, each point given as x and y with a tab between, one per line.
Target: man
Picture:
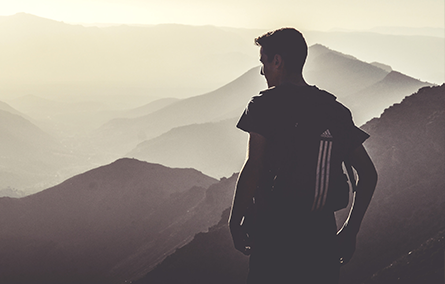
290	233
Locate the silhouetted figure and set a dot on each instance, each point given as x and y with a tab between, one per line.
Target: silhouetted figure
292	181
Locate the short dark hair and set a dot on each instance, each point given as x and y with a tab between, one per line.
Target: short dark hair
287	42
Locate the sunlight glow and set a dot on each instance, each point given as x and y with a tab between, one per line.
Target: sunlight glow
314	14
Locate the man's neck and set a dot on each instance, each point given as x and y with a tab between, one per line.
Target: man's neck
295	79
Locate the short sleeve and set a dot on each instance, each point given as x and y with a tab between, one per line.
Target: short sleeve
254	117
355	135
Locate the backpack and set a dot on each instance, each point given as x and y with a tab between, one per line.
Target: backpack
310	150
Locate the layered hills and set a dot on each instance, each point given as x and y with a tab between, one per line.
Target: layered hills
107	225
371	100
137	133
99	124
122	135
406	214
43	56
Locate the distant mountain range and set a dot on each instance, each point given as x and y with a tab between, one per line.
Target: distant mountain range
370	101
406	216
95	89
420	57
366	88
52	58
122	135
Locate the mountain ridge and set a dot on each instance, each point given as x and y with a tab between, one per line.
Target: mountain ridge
371	101
77	231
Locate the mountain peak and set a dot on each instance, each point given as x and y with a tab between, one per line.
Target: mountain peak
28	18
143	174
23	25
319	49
397	76
385	67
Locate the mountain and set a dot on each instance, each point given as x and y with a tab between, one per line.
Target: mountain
406	213
385	67
407	146
30	158
215	148
122	135
367	89
6	107
339	73
196	219
101	225
65	119
418	56
370	101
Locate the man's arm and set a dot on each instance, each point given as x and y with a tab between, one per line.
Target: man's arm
245	188
367	180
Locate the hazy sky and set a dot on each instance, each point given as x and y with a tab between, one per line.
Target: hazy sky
304	14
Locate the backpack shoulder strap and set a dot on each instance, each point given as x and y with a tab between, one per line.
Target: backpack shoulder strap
351	174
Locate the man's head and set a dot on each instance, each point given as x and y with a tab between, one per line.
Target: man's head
285	46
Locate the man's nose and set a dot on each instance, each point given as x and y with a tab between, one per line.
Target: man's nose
262	70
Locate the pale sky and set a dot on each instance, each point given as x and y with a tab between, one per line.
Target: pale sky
304	14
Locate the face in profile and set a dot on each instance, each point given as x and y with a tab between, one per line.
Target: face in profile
267	69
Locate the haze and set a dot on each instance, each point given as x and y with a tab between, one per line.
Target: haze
314	14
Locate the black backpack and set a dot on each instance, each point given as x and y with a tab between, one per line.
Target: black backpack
310	155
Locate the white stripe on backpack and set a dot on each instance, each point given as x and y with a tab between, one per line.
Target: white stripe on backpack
322	172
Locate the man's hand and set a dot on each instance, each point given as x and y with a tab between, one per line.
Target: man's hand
241	239
346	240
367	180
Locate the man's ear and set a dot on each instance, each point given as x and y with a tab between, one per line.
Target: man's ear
278	61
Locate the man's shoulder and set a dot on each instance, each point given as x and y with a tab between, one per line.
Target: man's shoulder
309	96
264	97
264	94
